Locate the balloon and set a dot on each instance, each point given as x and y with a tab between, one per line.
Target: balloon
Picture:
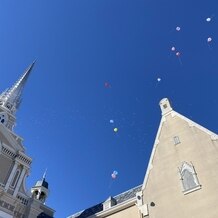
113	176
115	129
208	19
107	85
158	79
177	53
115	173
173	48
111	121
178	28
209	39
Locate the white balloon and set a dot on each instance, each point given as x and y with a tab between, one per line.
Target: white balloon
173	48
209	39
178	28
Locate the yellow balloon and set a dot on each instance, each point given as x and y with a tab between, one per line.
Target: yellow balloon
115	129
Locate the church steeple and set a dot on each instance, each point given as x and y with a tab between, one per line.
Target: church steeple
40	191
10	99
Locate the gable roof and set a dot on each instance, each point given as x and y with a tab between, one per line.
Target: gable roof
170	112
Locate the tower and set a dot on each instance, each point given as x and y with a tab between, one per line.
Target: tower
10	99
15	200
40	191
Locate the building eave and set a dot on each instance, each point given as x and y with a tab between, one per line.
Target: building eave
116	208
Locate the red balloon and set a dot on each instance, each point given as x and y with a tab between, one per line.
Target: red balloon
107	85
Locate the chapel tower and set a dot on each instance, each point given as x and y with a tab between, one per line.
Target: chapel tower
40	191
15	201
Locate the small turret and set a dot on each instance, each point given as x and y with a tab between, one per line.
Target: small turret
40	191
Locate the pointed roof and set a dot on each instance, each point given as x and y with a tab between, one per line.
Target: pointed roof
167	110
11	98
42	183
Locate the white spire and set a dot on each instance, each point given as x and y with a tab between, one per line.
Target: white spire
11	98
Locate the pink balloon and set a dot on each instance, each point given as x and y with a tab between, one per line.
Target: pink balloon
113	176
177	53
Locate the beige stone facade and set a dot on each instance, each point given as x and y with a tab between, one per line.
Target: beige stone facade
182	147
181	179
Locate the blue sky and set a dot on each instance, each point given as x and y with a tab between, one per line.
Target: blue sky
79	45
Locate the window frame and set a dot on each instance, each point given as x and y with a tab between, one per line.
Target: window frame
15	178
176	140
189	168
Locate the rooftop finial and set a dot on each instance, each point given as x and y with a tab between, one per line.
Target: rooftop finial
44	175
11	98
165	106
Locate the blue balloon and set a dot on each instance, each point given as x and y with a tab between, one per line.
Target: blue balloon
115	173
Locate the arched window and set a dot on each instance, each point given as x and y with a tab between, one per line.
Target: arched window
35	193
189	178
42	196
176	140
16	176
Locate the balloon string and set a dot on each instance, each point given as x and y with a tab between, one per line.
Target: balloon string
209	46
180	61
110	184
